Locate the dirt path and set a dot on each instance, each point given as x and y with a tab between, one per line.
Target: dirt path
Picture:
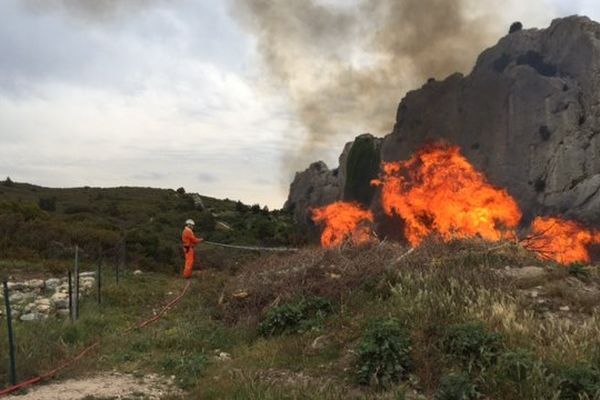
103	386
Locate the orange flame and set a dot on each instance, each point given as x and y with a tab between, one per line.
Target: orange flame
561	240
439	191
343	221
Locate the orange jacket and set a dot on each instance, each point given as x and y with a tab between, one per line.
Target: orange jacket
188	238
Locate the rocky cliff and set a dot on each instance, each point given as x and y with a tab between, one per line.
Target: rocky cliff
528	116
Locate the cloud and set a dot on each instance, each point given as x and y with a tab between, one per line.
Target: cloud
206	177
154	98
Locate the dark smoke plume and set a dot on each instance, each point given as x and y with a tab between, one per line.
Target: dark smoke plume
347	66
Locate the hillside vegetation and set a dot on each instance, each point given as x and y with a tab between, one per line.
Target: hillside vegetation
464	320
141	225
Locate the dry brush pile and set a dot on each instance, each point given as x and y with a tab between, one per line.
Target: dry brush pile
475	313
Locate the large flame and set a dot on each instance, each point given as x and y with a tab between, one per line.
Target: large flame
561	240
439	191
343	221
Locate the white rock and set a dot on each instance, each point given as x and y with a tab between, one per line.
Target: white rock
60	300
52	283
224	356
565	308
28	308
137	272
42	301
87	283
530	272
16	285
16	297
89	274
35	284
28	317
43	308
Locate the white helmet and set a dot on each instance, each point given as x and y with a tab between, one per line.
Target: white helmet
190	222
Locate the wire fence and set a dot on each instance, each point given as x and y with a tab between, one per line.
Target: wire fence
73	277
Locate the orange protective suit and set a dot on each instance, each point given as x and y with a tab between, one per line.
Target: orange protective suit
189	241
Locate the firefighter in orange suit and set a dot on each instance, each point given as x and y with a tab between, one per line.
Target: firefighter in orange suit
189	241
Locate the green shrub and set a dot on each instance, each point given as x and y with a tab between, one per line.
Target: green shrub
519	375
362	166
77	209
28	211
295	317
579	382
187	367
578	270
456	386
471	345
516	366
47	203
383	354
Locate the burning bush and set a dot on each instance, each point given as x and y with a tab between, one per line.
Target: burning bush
343	221
439	191
561	240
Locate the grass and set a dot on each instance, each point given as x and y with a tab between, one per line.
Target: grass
471	330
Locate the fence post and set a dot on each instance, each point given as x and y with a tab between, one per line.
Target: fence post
11	338
70	295
99	279
76	300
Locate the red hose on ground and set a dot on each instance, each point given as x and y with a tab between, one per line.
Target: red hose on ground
143	324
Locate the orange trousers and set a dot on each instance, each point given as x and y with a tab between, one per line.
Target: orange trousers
189	263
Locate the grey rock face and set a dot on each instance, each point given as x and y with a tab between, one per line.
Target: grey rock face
318	185
528	116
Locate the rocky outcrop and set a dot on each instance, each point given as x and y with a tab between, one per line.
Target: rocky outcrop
318	185
528	116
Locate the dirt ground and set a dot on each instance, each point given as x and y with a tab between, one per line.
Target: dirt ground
103	386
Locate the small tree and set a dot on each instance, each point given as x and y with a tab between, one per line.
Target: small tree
181	190
8	182
515	27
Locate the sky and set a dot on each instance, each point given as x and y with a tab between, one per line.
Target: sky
159	93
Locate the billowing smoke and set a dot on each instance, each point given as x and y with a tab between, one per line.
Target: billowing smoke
346	64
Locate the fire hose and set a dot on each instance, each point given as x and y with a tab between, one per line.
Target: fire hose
254	248
82	353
